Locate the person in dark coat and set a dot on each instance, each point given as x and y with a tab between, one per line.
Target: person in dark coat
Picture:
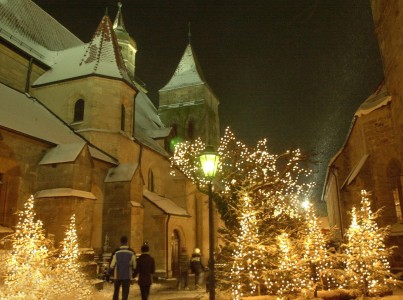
145	268
123	263
183	270
197	268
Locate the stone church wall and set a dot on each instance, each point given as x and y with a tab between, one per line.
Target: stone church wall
15	67
19	156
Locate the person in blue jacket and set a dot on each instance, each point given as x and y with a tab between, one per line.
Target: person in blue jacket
123	264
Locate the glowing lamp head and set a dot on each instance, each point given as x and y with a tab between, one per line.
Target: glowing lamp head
305	204
209	162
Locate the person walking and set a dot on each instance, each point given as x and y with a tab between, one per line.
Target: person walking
197	268
122	264
145	268
183	270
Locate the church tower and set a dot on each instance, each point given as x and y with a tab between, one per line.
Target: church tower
127	44
188	104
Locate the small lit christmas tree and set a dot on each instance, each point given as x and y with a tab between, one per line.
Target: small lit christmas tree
316	258
288	277
367	263
28	269
69	280
247	264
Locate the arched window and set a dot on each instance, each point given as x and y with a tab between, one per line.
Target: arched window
122	117
190	129
150	180
79	110
395	177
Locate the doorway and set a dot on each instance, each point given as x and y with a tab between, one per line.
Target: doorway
175	246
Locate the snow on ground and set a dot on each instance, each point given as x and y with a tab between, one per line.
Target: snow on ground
167	291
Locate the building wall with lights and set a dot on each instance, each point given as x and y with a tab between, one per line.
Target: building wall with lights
101	163
372	156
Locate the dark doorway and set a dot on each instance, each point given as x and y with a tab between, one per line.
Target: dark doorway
175	246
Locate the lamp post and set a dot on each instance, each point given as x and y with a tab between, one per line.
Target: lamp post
209	162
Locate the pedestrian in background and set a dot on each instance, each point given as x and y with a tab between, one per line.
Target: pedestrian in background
184	265
197	268
145	268
122	265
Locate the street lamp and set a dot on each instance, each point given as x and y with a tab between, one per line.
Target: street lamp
209	162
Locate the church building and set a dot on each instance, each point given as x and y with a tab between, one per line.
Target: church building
79	132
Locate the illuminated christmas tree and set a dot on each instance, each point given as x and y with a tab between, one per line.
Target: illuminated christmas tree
317	260
367	263
288	276
247	263
28	271
69	280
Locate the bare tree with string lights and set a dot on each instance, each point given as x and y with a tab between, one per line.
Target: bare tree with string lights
274	183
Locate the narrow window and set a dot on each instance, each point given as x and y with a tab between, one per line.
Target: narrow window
398	207
150	180
396	183
3	204
79	110
122	117
190	130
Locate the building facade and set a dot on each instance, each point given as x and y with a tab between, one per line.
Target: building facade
372	155
79	132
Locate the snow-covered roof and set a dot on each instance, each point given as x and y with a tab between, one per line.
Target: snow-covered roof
27	26
101	56
145	140
166	205
146	114
24	114
354	172
158	133
62	153
378	99
4	229
98	154
64	192
187	73
122	173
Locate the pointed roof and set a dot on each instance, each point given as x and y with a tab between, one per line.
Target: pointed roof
118	23
28	27
101	56
187	73
120	29
378	99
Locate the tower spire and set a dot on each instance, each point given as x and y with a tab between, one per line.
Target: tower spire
118	23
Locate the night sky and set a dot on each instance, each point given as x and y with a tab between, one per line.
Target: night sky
291	71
